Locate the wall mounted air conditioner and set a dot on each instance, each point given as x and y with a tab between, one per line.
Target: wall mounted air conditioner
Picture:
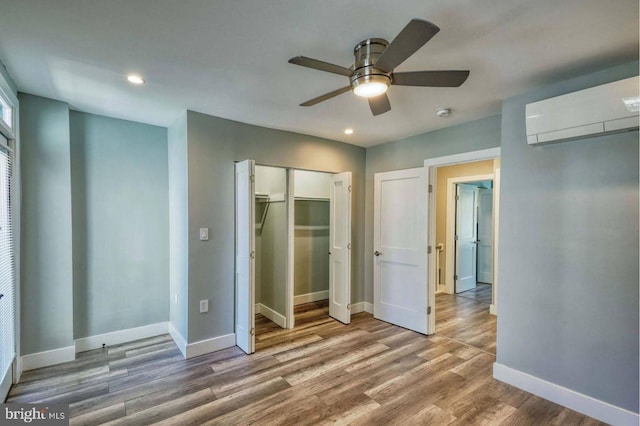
597	111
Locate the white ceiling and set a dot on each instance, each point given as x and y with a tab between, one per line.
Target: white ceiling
228	58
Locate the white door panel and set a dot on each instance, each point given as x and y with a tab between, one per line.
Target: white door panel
340	248
485	235
245	252
466	237
400	241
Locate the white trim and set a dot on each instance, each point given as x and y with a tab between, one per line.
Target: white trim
493	309
47	358
121	336
430	165
576	401
290	299
5	386
179	339
311	297
449	254
210	345
274	316
356	308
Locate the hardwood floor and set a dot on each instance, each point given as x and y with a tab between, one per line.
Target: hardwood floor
322	372
481	293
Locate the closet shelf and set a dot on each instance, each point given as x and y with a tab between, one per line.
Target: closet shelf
311	227
310	199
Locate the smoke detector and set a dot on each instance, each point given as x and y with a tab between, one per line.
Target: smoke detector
443	112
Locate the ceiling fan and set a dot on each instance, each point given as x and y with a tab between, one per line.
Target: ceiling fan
375	59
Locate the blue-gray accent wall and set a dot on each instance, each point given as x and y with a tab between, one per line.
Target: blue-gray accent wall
120	198
568	296
46	321
95	225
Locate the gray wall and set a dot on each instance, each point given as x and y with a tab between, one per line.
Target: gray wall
568	267
213	146
273	258
178	225
311	247
46	251
120	221
411	152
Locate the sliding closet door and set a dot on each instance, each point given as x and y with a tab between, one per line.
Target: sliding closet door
340	248
245	256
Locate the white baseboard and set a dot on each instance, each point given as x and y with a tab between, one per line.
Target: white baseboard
271	314
356	308
493	310
47	358
311	297
576	401
210	345
179	339
5	384
121	336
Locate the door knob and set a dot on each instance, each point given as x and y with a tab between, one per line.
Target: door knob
377	253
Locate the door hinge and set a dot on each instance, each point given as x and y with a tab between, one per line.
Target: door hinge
455	278
455	238
457	197
349	188
252	178
428	310
429	250
252	255
349	246
253	332
430	189
349	306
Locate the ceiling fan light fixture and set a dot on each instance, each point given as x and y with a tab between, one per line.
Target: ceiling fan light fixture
369	86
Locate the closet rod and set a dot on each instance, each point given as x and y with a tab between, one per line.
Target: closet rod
310	199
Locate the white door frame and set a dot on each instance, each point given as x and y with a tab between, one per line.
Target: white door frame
430	167
449	243
289	287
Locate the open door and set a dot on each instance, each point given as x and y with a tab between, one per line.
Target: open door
245	254
340	248
466	237
400	244
485	235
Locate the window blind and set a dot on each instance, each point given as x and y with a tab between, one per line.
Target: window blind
7	267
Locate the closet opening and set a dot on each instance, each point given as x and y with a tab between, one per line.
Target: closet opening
311	249
292	250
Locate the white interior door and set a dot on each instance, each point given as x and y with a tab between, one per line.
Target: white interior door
340	248
400	242
485	235
245	256
466	237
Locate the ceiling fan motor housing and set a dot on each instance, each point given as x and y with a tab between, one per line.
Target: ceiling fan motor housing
367	53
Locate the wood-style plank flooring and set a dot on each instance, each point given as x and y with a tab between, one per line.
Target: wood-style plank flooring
322	372
482	293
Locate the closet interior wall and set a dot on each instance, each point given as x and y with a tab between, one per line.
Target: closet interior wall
270	241
311	236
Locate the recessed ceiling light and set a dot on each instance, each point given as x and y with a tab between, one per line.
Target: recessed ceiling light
348	131
443	112
135	79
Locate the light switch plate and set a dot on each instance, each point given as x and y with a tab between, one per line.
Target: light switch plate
204	306
204	234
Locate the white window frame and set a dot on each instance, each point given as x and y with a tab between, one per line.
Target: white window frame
12	132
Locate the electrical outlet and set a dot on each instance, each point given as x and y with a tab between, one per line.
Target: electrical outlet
204	234
204	306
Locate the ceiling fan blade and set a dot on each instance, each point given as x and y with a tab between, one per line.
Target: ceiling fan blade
326	96
380	104
320	65
430	78
411	38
